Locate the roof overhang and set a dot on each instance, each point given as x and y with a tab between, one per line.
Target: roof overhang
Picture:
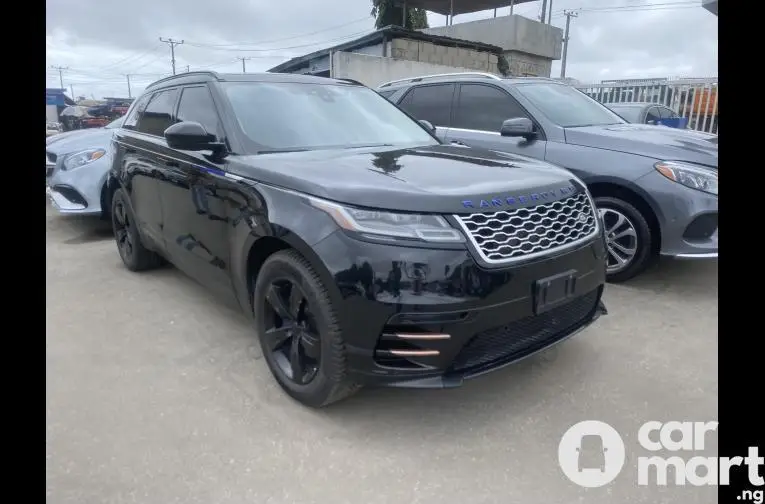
457	7
710	5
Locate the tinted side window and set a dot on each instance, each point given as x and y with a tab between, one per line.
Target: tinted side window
652	115
485	108
667	113
387	94
158	115
135	113
196	105
431	103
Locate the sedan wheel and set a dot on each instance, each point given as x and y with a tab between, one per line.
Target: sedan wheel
621	239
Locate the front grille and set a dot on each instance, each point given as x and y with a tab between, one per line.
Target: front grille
524	336
71	194
523	233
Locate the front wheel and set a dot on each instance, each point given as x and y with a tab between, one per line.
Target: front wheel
299	332
628	239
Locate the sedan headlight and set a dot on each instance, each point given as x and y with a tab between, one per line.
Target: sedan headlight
690	175
388	225
82	158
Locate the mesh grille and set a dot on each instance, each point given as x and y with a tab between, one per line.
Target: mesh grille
525	336
522	232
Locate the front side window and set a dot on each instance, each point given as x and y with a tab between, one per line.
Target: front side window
132	118
629	112
652	115
485	108
289	116
567	106
196	105
158	115
430	103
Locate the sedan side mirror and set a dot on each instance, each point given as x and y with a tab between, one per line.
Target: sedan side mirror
518	127
428	125
190	136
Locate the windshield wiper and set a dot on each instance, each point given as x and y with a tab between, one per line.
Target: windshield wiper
365	146
279	151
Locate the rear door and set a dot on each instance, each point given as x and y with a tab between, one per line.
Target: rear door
432	103
480	110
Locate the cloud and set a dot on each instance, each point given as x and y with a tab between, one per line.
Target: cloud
101	40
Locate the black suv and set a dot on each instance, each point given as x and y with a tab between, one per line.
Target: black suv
365	250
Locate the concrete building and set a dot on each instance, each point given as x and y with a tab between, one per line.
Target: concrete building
394	52
55	101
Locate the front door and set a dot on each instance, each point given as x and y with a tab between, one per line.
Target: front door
480	110
432	103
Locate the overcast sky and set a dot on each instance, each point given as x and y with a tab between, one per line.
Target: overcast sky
102	40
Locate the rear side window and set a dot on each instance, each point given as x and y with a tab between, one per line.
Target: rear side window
667	113
387	94
652	116
140	105
158	115
485	108
430	103
196	105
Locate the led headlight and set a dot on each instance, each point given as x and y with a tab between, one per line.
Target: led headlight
690	175
82	158
389	225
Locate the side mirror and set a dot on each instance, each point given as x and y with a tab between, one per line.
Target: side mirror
518	127
428	125
190	136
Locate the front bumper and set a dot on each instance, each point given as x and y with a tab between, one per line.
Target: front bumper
688	218
417	317
76	191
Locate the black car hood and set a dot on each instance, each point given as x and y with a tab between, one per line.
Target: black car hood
435	179
658	142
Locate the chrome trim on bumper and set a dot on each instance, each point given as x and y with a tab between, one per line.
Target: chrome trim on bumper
709	255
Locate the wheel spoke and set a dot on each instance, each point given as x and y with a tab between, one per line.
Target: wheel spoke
277	336
625	250
295	302
296	361
119	214
277	302
310	344
627	232
122	235
619	260
620	220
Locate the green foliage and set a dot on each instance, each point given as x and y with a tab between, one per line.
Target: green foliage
503	66
387	13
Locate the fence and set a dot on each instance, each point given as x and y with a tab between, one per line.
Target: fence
694	99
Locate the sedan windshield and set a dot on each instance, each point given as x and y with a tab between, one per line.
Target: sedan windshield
630	113
567	106
282	117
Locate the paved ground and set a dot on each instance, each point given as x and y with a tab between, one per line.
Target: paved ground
157	393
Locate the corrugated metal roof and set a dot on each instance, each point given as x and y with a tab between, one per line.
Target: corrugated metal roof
375	37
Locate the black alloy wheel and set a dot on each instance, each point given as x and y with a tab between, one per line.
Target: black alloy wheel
122	223
134	255
291	333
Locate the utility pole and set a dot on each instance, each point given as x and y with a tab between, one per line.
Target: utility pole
172	43
569	15
549	13
244	68
543	16
130	95
60	74
188	68
71	88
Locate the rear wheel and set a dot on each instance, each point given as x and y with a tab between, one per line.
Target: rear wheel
299	332
134	255
628	239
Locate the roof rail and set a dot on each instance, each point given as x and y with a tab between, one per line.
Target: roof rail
436	76
352	81
184	74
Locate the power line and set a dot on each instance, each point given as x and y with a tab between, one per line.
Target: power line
172	43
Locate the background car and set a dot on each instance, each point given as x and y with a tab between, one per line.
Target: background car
649	113
655	188
77	164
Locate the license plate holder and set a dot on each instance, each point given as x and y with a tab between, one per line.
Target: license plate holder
554	291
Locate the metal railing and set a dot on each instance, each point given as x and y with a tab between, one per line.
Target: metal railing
693	99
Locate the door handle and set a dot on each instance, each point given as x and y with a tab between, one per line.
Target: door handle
457	142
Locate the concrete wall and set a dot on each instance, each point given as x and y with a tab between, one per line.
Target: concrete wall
51	113
374	70
426	52
511	33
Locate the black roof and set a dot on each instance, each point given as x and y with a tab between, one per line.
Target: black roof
205	76
389	32
444	7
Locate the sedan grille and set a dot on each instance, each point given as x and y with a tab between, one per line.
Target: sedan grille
524	233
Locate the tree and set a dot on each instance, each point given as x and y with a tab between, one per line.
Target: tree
388	13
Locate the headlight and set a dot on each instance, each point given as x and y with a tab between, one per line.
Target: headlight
388	225
82	158
693	176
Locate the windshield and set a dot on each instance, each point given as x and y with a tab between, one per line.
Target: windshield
632	114
297	116
567	106
115	124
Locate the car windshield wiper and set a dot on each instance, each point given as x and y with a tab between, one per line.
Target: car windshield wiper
279	151
364	146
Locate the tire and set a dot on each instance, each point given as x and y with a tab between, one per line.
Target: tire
609	209
330	382
134	254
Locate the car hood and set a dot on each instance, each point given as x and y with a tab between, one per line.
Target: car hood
72	141
433	179
658	142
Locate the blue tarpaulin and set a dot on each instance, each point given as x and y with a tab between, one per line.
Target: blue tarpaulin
677	122
55	96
